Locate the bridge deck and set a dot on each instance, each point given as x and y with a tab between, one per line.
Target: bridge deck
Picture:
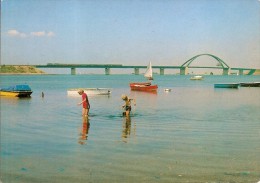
107	67
100	66
126	66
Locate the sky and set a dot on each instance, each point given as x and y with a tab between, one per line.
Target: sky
130	32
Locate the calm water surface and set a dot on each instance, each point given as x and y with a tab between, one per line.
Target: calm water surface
193	134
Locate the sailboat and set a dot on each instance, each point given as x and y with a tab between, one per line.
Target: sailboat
149	72
145	86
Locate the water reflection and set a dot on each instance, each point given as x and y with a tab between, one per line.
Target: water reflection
2	97
132	92
84	131
126	132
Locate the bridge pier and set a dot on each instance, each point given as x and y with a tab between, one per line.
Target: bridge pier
107	71
136	71
226	71
161	71
241	72
73	71
183	70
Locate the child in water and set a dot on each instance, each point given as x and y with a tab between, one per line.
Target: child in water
127	105
85	103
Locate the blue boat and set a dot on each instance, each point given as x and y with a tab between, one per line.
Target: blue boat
226	85
16	91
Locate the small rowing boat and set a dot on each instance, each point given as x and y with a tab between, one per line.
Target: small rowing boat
145	86
89	91
16	91
226	85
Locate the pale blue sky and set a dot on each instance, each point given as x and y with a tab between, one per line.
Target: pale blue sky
130	32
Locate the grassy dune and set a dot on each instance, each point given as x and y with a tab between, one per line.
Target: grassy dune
19	69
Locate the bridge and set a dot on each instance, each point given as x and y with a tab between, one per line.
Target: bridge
183	68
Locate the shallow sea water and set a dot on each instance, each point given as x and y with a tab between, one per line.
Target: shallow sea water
194	133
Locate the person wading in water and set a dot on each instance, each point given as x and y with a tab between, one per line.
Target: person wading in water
84	102
127	105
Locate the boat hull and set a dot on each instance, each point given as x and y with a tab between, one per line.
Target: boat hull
143	87
226	85
196	78
89	91
141	83
254	84
16	93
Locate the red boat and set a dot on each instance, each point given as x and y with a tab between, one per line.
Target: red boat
143	86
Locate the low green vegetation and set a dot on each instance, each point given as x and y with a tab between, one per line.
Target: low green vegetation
19	69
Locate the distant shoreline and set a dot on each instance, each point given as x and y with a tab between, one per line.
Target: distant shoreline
20	70
25	74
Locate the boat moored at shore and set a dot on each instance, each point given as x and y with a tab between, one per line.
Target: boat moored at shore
16	91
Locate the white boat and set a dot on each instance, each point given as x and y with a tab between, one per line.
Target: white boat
167	90
196	78
89	91
149	72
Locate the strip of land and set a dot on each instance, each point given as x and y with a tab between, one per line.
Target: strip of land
257	72
13	69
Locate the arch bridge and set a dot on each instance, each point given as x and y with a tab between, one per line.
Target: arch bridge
221	64
183	68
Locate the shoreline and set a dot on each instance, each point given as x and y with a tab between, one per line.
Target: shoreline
24	74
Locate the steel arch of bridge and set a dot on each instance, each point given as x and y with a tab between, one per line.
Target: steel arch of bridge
221	62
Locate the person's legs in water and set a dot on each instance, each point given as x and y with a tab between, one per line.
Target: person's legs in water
84	112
